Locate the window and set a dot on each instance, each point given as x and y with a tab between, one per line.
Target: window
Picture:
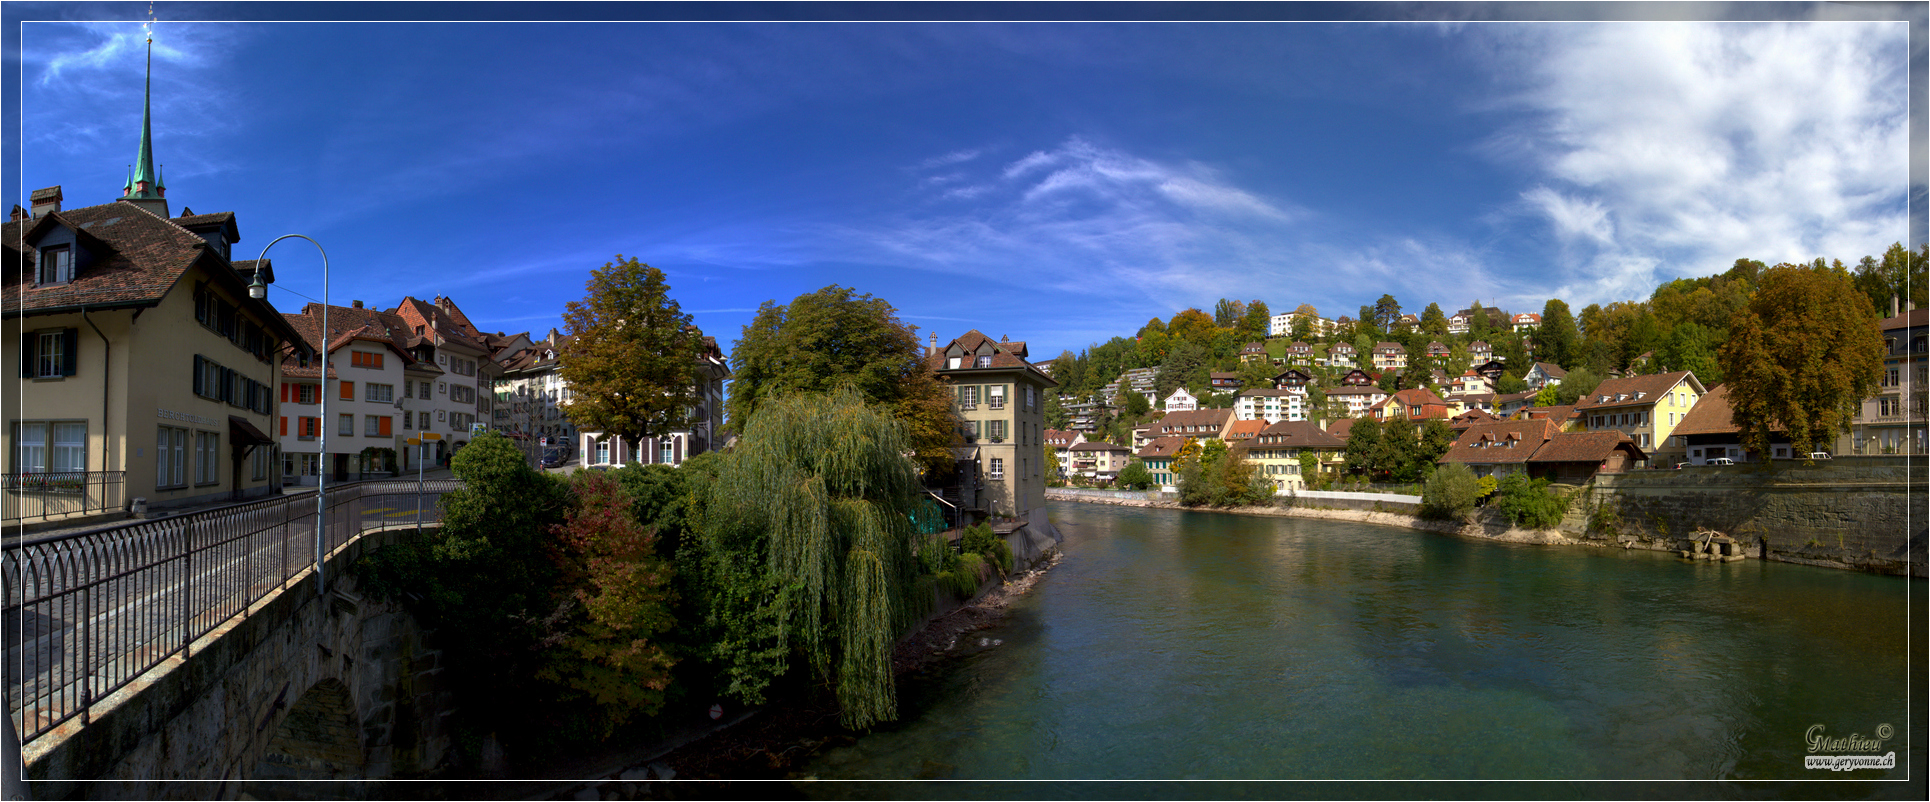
408	389
408	420
51	354
968	397
442	388
305	393
984	361
603	452
1645	441
371	425
56	265
998	468
49	447
207	458
364	359
461	394
261	459
995	396
440	414
998	430
347	429
665	452
1030	404
171	457
381	393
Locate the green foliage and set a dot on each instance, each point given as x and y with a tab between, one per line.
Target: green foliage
1227	313
1221	478
980	540
836	338
1555	340
1135	476
962	579
1052	467
1385	312
1185	366
611	601
1577	385
1254	325
1486	486
1801	357
1434	322
807	549
631	360
1192	326
1450	492
1528	503
1547	396
1135	403
1509	384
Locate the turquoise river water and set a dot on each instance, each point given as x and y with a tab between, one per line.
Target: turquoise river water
1214	655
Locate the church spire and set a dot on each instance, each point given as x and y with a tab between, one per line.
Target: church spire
144	187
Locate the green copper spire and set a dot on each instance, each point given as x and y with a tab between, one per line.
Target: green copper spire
146	182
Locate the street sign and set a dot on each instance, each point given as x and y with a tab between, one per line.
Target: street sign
414	441
432	435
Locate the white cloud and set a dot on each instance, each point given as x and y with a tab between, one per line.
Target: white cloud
1664	149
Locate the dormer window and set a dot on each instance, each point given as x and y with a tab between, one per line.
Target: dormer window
984	361
952	363
56	265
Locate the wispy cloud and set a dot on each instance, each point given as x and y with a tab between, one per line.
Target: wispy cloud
1665	149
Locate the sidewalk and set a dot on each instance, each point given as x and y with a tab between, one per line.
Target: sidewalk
40	529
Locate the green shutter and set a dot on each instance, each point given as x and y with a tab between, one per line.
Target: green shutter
70	358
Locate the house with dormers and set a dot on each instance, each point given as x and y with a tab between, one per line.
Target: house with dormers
371	376
1647	408
1526	321
999	399
1538	448
1254	352
1300	354
1158	454
1293	379
1435	350
1389	356
1276	450
1416	405
530	394
1340	355
1061	442
141	366
1469	383
1198	424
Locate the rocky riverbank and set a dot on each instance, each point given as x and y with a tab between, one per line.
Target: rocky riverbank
737	760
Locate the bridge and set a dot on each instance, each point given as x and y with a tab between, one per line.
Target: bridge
208	646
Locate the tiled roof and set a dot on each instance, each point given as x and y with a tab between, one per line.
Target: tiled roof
1551	370
1340	428
1301	434
1004	357
1910	319
1585	447
1161	447
1712	414
138	258
1470	419
1242	429
346	323
1649	387
1092	446
1527	435
1558	414
1214	419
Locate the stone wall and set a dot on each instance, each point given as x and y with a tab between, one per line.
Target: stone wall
214	714
1865	513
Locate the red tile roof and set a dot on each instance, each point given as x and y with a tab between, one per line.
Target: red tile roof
1161	447
1624	392
1586	447
1527	436
1005	356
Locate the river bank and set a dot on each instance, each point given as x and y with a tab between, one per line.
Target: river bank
1480	530
737	760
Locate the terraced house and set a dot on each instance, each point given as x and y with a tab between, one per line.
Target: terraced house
143	367
1000	402
1276	451
370	371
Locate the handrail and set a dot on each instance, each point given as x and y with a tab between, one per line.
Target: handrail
102	606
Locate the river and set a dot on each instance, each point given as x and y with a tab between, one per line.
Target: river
1199	646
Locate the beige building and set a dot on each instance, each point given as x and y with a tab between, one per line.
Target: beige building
1000	402
1275	452
144	369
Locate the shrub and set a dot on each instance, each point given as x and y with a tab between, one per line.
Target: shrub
1450	492
1529	503
962	580
1135	476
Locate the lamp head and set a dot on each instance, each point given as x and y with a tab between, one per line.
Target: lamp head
259	289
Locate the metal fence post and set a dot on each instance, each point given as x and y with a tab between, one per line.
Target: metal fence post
187	587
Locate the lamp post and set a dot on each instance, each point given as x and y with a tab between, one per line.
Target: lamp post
259	290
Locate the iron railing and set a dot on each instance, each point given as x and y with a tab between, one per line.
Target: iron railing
41	496
88	612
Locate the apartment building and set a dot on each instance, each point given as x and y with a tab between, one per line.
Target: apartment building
1647	408
1000	402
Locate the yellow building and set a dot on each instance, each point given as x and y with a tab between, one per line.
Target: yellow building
1275	452
1647	409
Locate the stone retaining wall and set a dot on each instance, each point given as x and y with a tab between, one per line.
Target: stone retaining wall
1864	513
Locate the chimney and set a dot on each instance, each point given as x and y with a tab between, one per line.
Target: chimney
933	350
46	200
358	304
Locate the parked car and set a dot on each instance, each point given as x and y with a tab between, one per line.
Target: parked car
1819	455
1721	461
553	458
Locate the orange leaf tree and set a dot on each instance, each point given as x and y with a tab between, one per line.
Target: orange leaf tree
1801	357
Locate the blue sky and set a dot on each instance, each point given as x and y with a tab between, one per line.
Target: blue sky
1052	181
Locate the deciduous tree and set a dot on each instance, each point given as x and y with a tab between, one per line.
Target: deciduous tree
631	360
837	337
1801	357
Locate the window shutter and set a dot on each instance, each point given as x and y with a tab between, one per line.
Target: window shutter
284	395
70	361
284	425
27	356
348	390
197	374
384	426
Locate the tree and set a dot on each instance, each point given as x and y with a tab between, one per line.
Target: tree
1387	312
1135	476
1193	326
1309	467
1546	396
1134	403
613	600
1555	340
1256	374
1152	326
632	357
1056	416
1257	322
1577	385
1528	503
1509	384
1433	321
808	541
1227	313
836	337
1450	493
1186	366
1801	357
1478	322
1052	467
1363	454
1692	347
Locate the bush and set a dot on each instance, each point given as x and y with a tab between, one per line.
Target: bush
1450	493
962	580
1529	503
1135	476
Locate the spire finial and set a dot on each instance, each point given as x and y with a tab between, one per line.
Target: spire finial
146	182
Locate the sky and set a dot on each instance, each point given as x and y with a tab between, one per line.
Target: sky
1058	174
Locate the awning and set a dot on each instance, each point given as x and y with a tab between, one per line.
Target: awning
243	433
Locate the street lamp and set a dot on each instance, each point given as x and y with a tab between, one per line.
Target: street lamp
259	290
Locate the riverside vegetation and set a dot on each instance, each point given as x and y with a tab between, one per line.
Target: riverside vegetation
586	608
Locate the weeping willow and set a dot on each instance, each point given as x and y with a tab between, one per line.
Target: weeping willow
810	530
